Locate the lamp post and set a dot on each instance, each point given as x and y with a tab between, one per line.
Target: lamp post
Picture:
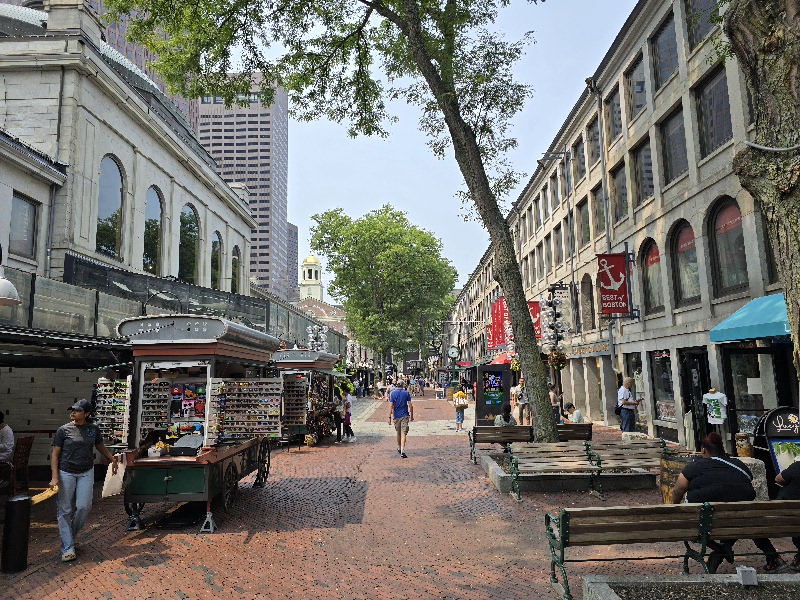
160	294
317	338
453	353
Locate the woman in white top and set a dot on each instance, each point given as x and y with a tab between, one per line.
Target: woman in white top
6	441
575	416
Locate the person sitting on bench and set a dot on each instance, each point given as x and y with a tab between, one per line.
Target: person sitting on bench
575	416
717	477
505	419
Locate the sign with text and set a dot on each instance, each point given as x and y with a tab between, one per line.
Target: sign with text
490	337
536	317
499	319
612	279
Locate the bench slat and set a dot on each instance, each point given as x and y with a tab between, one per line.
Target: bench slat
748	533
769	506
657	509
623	527
634	537
576	521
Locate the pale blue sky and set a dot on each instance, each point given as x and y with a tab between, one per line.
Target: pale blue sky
327	169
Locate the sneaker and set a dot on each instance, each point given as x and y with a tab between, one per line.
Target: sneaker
338	442
68	556
352	439
403	455
399	451
776	565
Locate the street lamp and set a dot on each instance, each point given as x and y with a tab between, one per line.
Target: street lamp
317	338
453	353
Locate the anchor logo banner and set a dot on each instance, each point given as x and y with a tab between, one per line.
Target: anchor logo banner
613	282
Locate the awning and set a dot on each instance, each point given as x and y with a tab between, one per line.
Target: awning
765	317
501	359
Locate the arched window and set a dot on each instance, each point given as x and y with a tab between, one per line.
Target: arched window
216	259
152	232
651	278
235	270
108	238
730	263
587	303
189	240
684	260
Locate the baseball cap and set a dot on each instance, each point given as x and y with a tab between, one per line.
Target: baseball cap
82	405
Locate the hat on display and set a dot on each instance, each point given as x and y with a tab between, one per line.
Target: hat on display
82	405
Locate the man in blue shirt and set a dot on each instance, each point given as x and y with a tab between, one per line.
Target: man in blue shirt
402	411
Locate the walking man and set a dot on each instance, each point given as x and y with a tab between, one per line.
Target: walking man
627	405
402	411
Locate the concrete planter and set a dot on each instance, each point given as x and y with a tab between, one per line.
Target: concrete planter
600	587
558	482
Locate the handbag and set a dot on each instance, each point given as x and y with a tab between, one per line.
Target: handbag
618	410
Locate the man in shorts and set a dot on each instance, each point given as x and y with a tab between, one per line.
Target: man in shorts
402	411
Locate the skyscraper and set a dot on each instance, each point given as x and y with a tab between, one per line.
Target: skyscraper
292	258
251	145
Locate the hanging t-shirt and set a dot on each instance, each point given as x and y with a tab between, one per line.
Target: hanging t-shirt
716	407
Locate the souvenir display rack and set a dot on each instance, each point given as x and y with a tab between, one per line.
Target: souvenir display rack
295	400
111	410
177	406
244	408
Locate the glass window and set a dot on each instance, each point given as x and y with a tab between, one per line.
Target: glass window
593	141
540	260
579	160
532	262
613	116
548	254
584	231
216	260
526	280
651	278
643	173
587	303
569	237
188	247
599	210
634	79
529	221
729	254
714	113
558	242
545	202
152	232
567	173
665	52
673	138
22	233
663	390
620	192
109	209
235	270
554	199
537	212
687	278
698	14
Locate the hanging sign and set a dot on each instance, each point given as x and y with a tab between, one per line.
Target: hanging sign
499	319
613	282
490	337
536	317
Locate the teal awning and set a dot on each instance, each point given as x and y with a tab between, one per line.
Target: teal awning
764	317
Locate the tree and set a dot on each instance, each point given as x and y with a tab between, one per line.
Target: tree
764	36
442	55
389	275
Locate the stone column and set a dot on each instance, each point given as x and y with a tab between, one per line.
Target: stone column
609	387
594	404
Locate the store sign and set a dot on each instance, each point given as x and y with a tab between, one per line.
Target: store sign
536	317
589	349
613	281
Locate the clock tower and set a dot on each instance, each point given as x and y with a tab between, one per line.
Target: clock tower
311	281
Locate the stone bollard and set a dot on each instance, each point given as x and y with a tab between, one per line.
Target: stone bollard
627	436
759	471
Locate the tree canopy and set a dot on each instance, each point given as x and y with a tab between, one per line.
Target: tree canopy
389	274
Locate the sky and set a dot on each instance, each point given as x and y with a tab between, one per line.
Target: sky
328	169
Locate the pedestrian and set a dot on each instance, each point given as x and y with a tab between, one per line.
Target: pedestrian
523	403
555	402
717	477
505	419
627	406
390	387
460	404
338	414
348	415
575	416
421	384
72	470
402	411
6	441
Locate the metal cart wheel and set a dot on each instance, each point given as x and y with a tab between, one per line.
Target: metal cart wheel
231	486
263	463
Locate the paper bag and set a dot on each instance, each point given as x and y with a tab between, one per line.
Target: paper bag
113	483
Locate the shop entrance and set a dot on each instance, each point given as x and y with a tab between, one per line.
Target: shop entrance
695	381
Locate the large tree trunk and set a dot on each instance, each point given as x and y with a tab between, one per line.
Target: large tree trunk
506	269
765	37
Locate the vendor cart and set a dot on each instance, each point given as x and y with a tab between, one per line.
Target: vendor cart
204	403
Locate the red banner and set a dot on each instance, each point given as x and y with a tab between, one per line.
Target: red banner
499	318
490	338
613	282
535	309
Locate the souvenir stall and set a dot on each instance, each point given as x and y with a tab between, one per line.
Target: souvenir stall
204	402
307	377
777	442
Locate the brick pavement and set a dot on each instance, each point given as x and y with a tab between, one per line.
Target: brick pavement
335	521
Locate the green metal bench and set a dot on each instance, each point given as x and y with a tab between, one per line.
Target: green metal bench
488	434
665	523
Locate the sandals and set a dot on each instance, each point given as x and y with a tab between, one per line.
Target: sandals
68	556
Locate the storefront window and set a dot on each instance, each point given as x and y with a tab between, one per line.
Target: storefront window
753	380
729	255
663	391
687	279
633	368
651	275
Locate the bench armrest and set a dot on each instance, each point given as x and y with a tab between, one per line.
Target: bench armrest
594	459
557	534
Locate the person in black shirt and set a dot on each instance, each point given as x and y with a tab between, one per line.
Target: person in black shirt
789	478
720	478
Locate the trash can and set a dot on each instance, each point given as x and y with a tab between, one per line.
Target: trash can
16	531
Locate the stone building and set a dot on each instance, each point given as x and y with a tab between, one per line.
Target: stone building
669	122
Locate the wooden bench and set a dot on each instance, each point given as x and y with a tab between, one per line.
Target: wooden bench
665	523
636	454
568	432
487	434
561	457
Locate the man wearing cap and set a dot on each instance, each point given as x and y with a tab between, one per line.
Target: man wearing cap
72	467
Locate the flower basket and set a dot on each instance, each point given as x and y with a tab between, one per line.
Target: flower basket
516	364
557	360
460	400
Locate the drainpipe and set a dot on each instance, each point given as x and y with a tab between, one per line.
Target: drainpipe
595	90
